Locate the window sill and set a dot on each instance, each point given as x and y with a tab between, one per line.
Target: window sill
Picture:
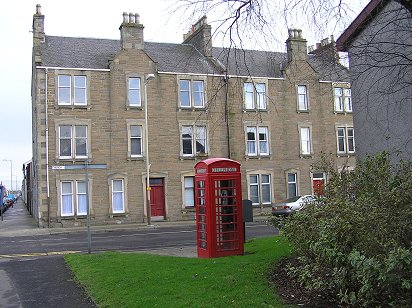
72	107
255	110
74	160
194	157
258	157
345	154
135	158
114	215
134	108
307	156
191	109
343	112
303	111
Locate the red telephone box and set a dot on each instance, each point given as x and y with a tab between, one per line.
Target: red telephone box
218	201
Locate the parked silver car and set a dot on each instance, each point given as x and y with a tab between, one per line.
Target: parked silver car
291	205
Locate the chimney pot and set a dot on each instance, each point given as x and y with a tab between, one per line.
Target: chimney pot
137	18
131	18
125	18
300	33
38	9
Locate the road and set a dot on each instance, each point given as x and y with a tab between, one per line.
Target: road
143	239
33	272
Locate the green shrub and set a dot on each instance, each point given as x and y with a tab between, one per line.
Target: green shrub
356	241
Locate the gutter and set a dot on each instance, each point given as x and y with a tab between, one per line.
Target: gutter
47	148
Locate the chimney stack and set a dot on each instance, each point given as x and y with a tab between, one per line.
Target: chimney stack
38	26
327	49
296	46
200	36
131	32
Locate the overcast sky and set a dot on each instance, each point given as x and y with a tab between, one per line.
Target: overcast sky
72	18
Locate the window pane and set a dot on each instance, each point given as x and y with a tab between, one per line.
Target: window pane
302	97
81	198
117	185
351	141
189	191
251	140
81	140
65	141
184	93
134	83
266	195
67	188
253	179
64	96
305	140
136	139
64	86
81	131
118	202
136	146
80	90
261	95
200	139
64	81
187	140
338	99
67	198
136	131
254	188
198	94
263	140
81	187
292	185
65	131
134	94
341	140
249	100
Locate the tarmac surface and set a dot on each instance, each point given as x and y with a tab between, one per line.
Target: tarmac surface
23	285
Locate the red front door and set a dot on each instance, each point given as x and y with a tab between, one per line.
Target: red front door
157	198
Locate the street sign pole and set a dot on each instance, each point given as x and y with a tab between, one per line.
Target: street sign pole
89	235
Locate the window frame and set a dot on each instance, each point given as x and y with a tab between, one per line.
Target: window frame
305	95
307	127
191	92
259	184
139	90
74	181
73	141
295	183
195	128
73	88
257	141
113	192
259	99
342	103
71	194
185	204
347	139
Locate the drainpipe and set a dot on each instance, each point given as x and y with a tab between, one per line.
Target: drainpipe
226	78
47	149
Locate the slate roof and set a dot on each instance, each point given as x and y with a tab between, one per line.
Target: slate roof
92	53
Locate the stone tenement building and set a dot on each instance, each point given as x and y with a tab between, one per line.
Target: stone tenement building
275	113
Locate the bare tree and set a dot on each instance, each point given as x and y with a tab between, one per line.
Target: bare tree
260	21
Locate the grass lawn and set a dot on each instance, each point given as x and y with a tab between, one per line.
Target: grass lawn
116	279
